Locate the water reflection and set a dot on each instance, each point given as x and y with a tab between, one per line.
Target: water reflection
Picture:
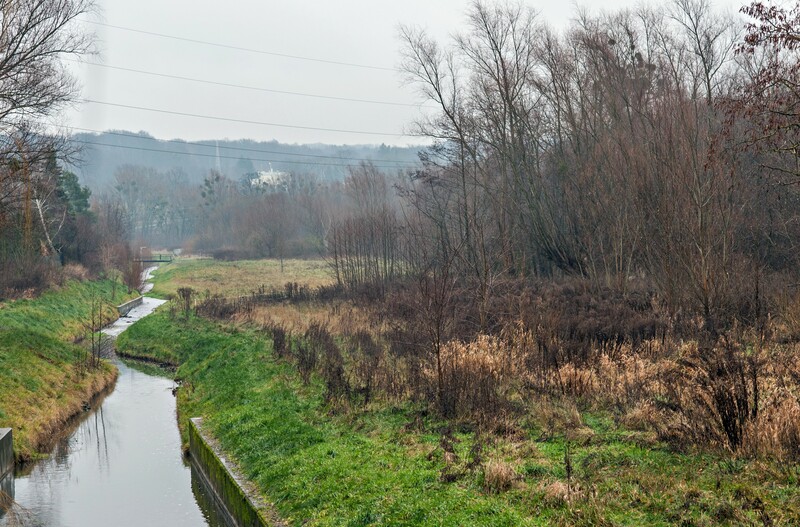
121	465
7	493
206	499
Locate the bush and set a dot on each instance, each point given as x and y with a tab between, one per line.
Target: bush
474	374
366	355
499	476
279	340
24	274
321	344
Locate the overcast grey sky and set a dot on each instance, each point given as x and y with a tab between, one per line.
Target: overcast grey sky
355	31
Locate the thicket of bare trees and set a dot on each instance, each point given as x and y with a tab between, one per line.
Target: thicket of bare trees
355	222
607	152
645	151
364	239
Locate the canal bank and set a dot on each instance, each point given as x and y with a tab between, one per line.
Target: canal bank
239	499
118	464
44	379
122	465
6	468
6	451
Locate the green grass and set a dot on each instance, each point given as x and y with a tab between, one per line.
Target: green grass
369	467
62	312
236	278
41	383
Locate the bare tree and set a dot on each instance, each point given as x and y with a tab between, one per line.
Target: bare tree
34	36
364	241
34	86
770	99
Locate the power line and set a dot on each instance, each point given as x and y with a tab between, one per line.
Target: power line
245	121
242	149
239	48
254	88
143	149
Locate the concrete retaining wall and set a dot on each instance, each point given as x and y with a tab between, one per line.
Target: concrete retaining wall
222	482
6	451
125	308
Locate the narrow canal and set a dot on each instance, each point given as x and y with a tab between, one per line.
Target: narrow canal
120	464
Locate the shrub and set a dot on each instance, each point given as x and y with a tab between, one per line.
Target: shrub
366	355
499	476
320	343
473	376
710	395
279	342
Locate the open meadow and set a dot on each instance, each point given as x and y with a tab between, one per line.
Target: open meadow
237	278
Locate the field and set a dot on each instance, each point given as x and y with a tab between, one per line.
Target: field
325	460
236	278
43	379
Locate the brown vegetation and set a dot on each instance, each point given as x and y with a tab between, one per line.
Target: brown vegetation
586	231
739	393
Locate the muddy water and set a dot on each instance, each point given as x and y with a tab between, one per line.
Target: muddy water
120	465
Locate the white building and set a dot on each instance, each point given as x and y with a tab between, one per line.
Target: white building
271	179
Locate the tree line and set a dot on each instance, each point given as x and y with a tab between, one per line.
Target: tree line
652	146
649	148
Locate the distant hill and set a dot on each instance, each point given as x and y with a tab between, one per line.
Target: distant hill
102	154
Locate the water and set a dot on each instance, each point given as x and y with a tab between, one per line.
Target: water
147	306
120	464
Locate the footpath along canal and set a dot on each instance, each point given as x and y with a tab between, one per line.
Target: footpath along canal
119	464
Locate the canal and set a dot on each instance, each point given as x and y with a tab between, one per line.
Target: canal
119	464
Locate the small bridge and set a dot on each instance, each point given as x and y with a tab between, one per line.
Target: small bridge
156	258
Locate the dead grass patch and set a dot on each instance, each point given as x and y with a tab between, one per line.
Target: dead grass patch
499	476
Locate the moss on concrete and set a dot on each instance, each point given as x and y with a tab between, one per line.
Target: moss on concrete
222	481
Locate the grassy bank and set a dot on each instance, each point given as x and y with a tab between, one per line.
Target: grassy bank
42	380
388	464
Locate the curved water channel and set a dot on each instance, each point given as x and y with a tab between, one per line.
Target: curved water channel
120	464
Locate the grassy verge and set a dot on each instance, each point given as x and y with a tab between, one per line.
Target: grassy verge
394	465
42	383
236	278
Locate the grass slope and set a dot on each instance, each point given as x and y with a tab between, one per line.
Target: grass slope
41	383
384	465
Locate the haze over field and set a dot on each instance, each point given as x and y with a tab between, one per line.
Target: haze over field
102	155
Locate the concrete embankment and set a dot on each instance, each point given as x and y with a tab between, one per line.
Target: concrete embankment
125	308
6	451
145	306
232	493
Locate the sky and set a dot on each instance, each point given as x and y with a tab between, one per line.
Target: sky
363	32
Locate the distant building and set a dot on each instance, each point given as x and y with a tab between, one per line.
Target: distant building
271	179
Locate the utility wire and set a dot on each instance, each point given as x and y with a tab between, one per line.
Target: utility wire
254	88
242	149
239	48
143	149
245	121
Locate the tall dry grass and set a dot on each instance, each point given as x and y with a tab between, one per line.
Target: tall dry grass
738	392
